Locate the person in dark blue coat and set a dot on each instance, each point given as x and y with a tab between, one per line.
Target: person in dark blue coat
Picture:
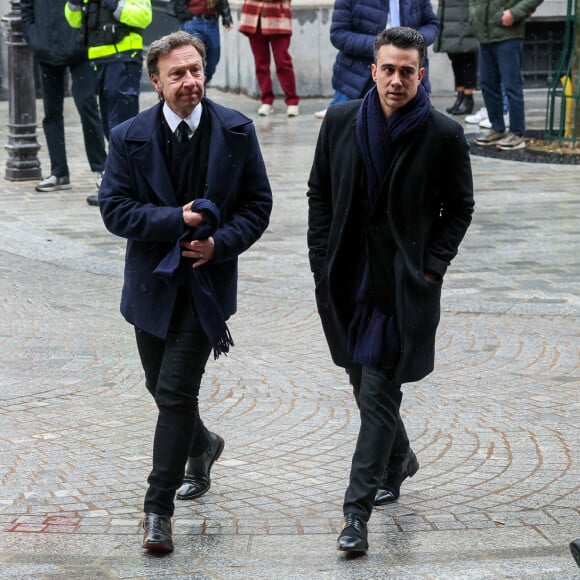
185	183
354	28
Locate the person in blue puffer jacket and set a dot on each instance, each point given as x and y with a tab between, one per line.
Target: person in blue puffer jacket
354	28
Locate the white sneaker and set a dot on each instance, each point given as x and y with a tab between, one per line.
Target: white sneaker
53	183
478	117
486	123
292	111
265	110
320	114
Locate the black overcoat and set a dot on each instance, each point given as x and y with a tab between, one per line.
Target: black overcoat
430	203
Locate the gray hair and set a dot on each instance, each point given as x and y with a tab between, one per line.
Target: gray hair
164	45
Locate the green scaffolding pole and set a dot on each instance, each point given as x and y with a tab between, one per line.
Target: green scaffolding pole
562	113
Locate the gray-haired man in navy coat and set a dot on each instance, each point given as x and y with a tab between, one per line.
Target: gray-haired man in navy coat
185	184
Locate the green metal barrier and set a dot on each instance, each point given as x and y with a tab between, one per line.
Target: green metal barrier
562	112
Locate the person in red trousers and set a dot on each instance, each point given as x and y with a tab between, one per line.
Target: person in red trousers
268	25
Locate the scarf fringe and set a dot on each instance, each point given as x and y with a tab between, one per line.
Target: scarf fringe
223	344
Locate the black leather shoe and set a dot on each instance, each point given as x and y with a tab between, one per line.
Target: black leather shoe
456	104
93	200
575	549
158	536
353	537
465	107
197	480
390	488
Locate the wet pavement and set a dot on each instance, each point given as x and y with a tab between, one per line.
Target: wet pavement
495	427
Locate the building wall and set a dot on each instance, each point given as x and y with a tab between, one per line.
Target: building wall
312	53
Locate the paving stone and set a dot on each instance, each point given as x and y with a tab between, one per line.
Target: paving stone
495	427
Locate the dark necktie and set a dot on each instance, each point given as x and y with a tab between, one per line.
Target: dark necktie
182	132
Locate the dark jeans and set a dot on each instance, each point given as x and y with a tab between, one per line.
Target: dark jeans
500	64
119	84
381	437
206	29
173	371
84	92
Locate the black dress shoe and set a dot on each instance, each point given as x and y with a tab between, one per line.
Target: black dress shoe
157	536
390	488
575	549
93	200
197	480
353	537
456	104
465	107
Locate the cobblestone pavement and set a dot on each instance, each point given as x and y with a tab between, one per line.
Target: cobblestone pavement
495	427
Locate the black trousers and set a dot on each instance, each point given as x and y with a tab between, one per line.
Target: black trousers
84	92
464	66
382	438
173	371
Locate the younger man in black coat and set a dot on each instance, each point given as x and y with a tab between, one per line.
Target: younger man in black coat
390	199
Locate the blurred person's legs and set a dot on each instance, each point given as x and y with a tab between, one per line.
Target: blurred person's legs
261	50
280	44
53	91
119	88
490	78
464	67
84	92
207	30
509	58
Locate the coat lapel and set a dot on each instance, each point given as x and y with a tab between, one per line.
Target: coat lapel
144	139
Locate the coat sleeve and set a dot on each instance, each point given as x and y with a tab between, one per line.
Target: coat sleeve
344	37
524	9
138	13
224	11
124	213
319	204
429	25
456	207
248	213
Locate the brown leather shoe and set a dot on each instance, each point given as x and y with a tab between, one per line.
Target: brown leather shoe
197	479
158	536
390	488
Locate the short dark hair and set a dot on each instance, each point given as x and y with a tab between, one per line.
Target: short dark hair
164	45
401	37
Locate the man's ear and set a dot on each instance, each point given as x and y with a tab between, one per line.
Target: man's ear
374	72
155	82
421	73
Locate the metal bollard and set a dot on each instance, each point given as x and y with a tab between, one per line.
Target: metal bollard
22	145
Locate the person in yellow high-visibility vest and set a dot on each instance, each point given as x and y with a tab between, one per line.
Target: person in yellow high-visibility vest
112	32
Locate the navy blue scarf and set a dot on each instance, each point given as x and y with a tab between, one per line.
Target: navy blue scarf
208	310
373	334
